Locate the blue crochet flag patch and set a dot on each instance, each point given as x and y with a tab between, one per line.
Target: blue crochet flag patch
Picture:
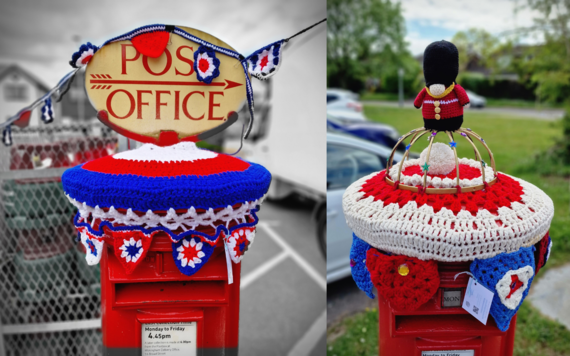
360	273
509	276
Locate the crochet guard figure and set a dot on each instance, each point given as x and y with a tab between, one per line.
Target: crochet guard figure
442	100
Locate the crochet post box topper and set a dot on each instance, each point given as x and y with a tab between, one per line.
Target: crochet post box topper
440	208
167	87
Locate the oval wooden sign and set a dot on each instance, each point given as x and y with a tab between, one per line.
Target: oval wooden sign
160	100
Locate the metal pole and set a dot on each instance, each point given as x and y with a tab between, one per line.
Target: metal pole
401	87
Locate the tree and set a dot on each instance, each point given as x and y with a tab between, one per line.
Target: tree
547	66
365	39
475	46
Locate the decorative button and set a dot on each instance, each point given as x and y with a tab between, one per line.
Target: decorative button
437	110
436	103
437	116
403	270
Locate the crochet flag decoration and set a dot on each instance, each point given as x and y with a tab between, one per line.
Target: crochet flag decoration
239	241
542	252
358	268
509	276
131	247
191	253
151	44
265	62
93	246
7	136
47	111
406	282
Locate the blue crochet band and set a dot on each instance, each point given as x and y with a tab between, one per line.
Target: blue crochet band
211	239
140	193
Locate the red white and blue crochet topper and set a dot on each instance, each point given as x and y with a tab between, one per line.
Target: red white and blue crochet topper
193	195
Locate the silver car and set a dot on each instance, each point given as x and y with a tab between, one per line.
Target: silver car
348	159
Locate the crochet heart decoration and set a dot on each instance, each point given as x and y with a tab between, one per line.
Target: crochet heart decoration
191	254
239	241
131	247
542	252
358	268
24	119
509	276
406	282
151	44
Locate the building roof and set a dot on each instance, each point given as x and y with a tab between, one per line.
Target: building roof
6	69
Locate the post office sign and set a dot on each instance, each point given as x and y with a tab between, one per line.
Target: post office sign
183	92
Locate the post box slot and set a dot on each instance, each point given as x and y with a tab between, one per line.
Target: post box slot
443	325
156	293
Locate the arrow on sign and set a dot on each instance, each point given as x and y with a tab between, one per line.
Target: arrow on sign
229	84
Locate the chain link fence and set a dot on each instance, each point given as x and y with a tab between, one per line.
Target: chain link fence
49	296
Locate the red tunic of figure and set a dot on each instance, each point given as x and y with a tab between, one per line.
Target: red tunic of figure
450	105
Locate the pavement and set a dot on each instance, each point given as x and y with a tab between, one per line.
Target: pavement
550	294
345	299
283	285
529	113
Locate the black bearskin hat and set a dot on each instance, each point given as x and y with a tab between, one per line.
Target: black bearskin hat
441	63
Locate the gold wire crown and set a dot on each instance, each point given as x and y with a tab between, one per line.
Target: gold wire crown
468	134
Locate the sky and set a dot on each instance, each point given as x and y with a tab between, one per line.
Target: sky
42	35
433	20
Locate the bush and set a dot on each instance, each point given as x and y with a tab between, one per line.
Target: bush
495	88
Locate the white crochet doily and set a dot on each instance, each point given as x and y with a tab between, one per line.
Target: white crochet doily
443	236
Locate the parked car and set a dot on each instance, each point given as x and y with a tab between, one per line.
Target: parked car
477	101
344	104
348	159
368	130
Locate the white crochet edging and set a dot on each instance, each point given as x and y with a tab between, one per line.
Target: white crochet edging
421	233
183	151
436	182
503	286
172	220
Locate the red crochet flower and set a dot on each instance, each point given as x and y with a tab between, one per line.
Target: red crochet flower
407	289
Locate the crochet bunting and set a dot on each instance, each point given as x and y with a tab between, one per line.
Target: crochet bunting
131	247
265	62
542	252
509	276
93	246
406	282
47	111
190	254
358	268
151	44
239	241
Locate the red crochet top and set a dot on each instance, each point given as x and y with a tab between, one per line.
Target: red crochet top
449	106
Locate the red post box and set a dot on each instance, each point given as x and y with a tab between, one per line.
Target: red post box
156	293
441	324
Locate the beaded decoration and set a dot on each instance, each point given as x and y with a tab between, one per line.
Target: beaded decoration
358	268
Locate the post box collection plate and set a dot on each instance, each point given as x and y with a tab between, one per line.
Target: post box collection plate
449	353
169	339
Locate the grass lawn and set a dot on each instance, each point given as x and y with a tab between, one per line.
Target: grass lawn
514	142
